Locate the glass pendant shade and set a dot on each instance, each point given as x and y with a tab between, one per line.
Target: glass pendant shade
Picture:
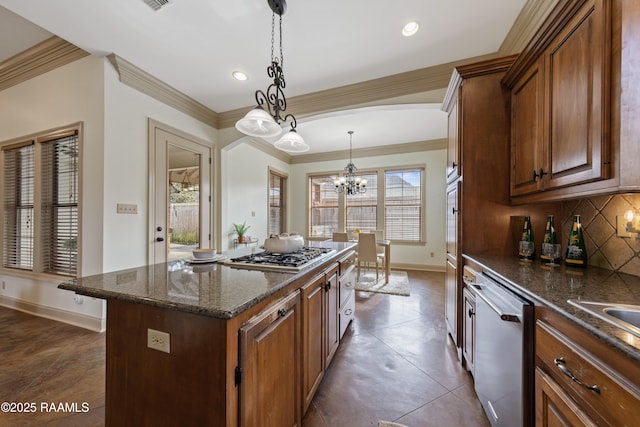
291	142
258	122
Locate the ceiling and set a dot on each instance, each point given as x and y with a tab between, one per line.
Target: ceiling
194	45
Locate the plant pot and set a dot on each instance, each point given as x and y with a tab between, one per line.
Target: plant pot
240	239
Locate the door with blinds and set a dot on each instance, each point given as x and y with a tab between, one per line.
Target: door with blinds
179	195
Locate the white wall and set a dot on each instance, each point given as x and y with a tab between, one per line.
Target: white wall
66	95
409	256
245	182
126	171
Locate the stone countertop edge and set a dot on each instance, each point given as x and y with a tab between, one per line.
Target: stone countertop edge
553	286
203	309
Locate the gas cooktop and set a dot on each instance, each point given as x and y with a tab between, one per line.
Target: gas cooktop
290	261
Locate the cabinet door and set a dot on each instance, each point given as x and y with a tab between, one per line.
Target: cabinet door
577	63
453	144
451	301
453	196
270	361
469	332
331	317
527	143
554	407
313	296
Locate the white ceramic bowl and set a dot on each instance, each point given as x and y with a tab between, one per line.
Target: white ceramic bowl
204	253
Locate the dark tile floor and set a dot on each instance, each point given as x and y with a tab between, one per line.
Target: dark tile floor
398	364
395	364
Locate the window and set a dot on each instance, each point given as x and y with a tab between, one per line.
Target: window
277	198
400	215
41	233
362	207
323	206
403	204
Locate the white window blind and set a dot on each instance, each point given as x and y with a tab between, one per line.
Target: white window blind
323	206
41	234
362	207
403	204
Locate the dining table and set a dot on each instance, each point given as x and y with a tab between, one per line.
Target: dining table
386	243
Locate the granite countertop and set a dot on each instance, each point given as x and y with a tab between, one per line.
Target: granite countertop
553	286
212	289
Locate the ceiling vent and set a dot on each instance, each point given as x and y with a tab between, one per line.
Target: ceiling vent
156	5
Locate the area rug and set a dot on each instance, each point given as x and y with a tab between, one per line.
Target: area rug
389	424
398	282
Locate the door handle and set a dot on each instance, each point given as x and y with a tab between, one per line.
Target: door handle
159	239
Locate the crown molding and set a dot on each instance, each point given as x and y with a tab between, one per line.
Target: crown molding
421	80
385	150
531	17
47	55
144	82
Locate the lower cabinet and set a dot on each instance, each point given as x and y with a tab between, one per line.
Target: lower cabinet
579	380
469	330
270	366
347	291
320	330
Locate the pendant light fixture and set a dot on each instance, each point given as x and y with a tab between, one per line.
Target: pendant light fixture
350	183
264	120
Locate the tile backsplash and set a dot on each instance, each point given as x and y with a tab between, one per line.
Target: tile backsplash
598	217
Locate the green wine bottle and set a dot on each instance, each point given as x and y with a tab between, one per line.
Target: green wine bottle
551	249
576	250
527	247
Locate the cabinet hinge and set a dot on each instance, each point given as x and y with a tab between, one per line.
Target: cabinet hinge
238	375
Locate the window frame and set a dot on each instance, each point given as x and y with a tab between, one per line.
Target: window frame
381	173
44	247
284	182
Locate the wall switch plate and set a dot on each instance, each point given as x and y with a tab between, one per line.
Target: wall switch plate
158	340
627	228
124	208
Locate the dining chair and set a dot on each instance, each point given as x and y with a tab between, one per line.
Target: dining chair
340	237
368	252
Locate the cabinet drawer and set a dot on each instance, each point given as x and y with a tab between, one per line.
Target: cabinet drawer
347	284
601	392
347	313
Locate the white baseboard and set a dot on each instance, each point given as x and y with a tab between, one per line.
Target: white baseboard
76	319
419	267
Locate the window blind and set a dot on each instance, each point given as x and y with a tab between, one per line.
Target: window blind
403	204
59	206
19	190
362	207
323	206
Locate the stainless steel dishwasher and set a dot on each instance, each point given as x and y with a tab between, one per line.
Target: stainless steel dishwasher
504	354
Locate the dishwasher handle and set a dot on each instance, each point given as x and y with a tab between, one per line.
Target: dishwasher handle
506	316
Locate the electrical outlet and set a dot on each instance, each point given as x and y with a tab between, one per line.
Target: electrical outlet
4	286
123	208
158	340
432	254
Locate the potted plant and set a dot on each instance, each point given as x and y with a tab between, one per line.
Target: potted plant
240	230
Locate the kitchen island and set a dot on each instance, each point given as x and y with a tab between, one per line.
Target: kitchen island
207	344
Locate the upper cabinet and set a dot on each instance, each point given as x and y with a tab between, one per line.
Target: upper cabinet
567	107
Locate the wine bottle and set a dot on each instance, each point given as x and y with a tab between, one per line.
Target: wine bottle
551	249
576	250
527	247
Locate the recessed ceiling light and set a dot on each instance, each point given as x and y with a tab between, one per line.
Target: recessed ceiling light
410	28
239	75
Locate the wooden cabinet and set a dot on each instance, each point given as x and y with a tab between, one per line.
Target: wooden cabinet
573	98
270	366
580	380
469	330
453	142
320	330
451	299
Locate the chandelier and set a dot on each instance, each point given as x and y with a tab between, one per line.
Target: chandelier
266	123
350	184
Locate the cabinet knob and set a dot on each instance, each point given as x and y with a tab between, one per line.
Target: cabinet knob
471	312
348	285
282	312
348	312
560	363
454	165
454	211
159	239
327	286
537	175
